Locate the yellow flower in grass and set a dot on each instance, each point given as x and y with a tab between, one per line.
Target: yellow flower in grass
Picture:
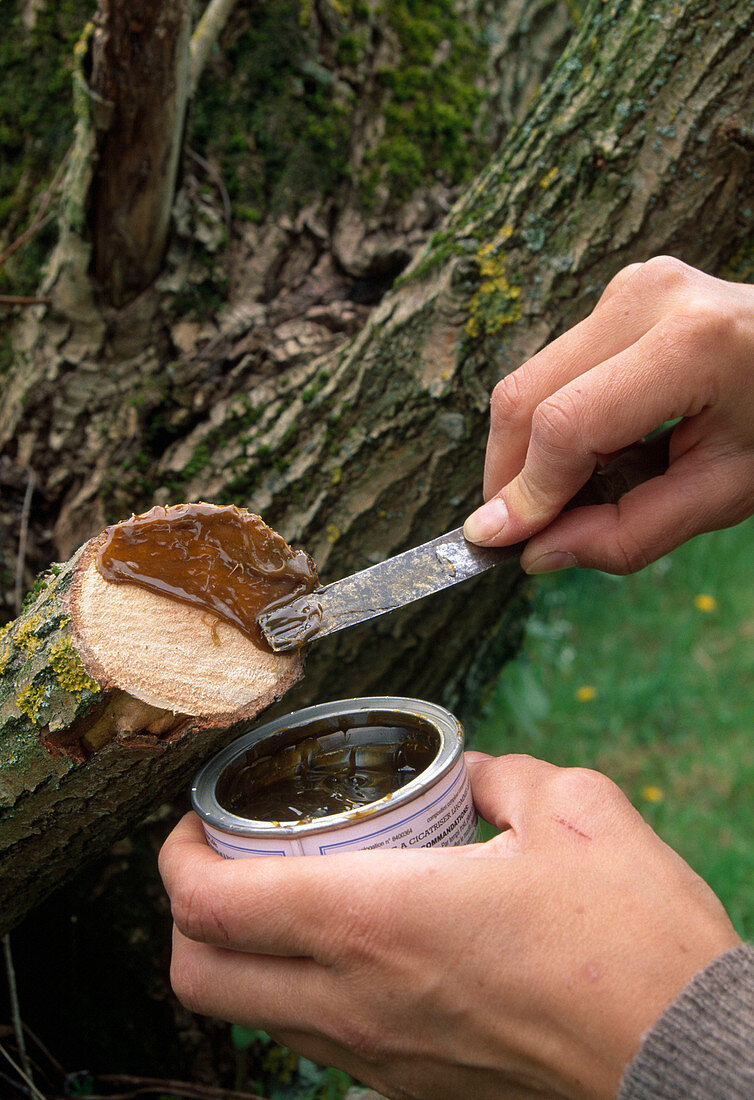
652	794
586	693
704	602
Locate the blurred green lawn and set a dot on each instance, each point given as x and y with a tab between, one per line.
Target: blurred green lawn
650	679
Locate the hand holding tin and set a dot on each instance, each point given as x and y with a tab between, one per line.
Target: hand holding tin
527	965
665	341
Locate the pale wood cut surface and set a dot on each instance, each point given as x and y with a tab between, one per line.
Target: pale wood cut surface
168	654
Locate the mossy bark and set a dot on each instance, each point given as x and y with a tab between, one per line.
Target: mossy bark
289	269
636	146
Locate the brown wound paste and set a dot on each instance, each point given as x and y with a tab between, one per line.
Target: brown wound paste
319	776
219	558
290	627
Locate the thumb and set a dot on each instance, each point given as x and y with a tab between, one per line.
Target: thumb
697	494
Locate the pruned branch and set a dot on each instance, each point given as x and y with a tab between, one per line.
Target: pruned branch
25	300
110	696
140	62
204	37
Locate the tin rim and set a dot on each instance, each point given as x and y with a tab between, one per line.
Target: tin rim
446	725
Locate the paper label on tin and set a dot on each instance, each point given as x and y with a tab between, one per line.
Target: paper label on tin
442	816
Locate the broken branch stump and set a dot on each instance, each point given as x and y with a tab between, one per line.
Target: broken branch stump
111	696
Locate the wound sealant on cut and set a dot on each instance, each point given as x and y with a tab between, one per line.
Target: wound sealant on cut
356	774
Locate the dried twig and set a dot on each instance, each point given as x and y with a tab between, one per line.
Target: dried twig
188	1089
41	218
33	1090
25	1068
217	178
23	533
25	236
45	1051
13	1083
22	300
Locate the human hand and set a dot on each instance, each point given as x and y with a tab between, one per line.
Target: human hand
526	966
664	341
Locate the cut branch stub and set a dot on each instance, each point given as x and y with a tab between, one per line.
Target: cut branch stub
169	654
111	696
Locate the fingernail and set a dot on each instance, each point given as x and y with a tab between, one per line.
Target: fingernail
551	562
487	522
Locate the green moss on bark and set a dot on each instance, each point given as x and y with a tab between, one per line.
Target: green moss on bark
276	110
429	101
43	683
36	122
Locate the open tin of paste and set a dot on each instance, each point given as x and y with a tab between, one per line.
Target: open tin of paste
379	772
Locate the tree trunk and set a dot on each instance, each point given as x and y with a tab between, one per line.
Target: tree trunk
140	75
95	395
111	692
633	148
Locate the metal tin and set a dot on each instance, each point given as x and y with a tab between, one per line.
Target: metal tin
432	809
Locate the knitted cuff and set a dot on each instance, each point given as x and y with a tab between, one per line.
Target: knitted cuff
702	1047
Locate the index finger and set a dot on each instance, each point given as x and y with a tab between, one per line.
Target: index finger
248	904
274	905
608	330
537	802
607	409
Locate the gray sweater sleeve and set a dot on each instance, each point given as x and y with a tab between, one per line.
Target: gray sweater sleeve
702	1047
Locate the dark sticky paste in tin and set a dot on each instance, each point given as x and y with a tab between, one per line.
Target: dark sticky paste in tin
316	777
220	558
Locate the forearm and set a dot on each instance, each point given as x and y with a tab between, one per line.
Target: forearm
702	1047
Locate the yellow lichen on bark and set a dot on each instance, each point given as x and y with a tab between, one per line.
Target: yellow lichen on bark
495	302
26	637
29	700
69	669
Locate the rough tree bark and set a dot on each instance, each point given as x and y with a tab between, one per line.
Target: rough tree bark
296	287
636	146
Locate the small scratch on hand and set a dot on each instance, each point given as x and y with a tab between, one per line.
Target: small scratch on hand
571	827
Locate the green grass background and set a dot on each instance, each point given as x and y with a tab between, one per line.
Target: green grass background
671	719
